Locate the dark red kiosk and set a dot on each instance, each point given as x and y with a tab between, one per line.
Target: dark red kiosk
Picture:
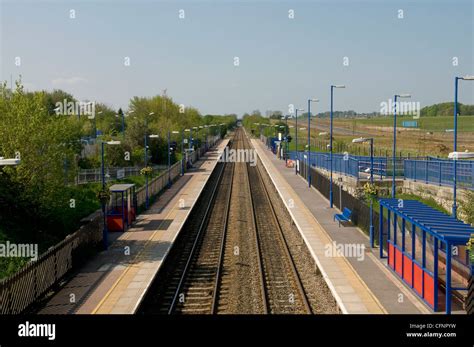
121	211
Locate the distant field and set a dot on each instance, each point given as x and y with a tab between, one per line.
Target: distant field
430	138
465	123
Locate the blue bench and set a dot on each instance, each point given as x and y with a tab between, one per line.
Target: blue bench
345	216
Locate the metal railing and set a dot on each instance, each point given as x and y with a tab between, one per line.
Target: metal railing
35	279
345	164
354	165
441	172
112	173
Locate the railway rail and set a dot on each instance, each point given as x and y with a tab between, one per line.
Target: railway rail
206	275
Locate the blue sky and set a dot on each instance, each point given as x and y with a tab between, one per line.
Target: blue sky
282	60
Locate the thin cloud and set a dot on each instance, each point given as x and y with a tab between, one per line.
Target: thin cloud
68	81
28	86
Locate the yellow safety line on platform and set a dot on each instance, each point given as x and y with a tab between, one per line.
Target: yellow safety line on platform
345	259
102	301
132	264
266	162
349	265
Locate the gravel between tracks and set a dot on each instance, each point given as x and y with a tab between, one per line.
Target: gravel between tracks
319	295
240	278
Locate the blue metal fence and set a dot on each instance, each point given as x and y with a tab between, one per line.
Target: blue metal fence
441	172
427	169
349	164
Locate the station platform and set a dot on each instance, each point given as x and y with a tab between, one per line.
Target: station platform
116	280
360	285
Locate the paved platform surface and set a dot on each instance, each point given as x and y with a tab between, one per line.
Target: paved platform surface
359	284
116	280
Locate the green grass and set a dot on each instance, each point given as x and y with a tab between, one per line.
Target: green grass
465	123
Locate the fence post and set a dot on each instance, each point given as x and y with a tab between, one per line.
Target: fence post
414	168
472	175
439	172
55	267
426	171
10	298
35	281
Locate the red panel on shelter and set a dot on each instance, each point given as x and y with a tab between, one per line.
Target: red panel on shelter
418	279
398	261
429	289
114	223
407	266
391	255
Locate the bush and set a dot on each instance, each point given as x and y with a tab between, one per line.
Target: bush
89	163
467	207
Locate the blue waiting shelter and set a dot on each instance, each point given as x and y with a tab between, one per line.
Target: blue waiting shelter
419	265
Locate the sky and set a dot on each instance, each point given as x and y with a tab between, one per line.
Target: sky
282	60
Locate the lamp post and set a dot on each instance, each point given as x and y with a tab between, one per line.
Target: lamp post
151	136
275	129
308	174
282	142
220	131
394	156
122	115
213	133
455	155
296	138
146	157
371	141
190	137
206	134
259	129
330	140
197	135
182	152
189	145
104	231
95	125
169	156
198	131
287	144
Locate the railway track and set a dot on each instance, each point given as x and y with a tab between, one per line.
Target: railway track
284	291
163	290
232	256
196	291
241	284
